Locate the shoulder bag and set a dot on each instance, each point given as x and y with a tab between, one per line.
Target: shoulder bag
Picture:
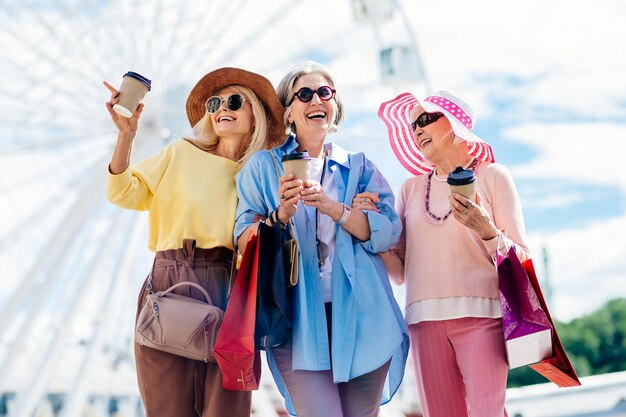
177	324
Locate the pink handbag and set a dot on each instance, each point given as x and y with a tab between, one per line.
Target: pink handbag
180	325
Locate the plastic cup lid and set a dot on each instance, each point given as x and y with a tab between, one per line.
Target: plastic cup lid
461	176
296	156
139	77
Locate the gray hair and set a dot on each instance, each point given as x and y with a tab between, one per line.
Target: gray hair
286	92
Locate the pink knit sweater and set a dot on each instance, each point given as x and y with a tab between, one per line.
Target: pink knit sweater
448	259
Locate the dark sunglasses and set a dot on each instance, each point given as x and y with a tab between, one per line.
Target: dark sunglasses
305	94
234	103
425	119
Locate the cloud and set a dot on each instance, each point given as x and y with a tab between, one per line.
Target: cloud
572	49
586	265
553	201
577	152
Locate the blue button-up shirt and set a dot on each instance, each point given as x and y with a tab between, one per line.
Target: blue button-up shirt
367	325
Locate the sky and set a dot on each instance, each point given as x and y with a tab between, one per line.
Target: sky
545	77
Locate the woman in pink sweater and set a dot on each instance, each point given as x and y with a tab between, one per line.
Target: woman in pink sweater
446	254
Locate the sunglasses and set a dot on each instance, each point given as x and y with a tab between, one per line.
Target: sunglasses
425	119
305	94
233	103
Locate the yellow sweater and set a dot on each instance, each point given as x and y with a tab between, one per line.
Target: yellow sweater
190	194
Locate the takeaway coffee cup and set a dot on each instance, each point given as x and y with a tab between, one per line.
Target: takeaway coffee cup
298	164
133	89
463	181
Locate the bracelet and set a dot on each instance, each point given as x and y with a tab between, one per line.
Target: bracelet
344	216
273	218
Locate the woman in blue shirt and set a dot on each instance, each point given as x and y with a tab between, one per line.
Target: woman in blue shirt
348	347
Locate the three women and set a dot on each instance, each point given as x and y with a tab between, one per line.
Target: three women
348	346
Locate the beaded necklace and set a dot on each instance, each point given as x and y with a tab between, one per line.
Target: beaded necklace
429	215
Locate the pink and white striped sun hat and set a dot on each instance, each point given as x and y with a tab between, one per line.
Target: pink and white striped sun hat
396	114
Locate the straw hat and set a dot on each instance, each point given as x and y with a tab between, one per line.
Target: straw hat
396	114
214	81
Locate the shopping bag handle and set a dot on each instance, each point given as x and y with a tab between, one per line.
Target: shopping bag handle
499	244
290	223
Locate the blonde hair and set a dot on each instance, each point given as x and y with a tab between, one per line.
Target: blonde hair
286	92
203	130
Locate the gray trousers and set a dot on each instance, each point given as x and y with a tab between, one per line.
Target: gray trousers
314	394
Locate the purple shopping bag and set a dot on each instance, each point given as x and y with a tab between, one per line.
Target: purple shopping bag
527	330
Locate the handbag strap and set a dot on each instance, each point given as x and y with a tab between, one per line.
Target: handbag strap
180	284
150	275
275	165
290	222
189	283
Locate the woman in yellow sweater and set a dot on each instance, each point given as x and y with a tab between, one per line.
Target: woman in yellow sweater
189	190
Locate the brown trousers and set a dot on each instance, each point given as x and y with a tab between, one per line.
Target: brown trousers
173	386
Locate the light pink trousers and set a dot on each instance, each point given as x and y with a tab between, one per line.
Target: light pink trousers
460	367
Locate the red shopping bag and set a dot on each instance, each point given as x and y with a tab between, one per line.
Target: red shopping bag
558	368
234	349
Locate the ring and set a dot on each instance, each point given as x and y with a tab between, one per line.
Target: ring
282	196
468	205
317	198
465	211
362	200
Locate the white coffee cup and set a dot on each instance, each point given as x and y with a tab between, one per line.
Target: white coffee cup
133	89
299	164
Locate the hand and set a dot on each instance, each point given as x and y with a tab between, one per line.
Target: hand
366	201
313	195
289	193
473	215
125	125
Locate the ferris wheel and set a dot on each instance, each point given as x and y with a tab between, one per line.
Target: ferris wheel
72	263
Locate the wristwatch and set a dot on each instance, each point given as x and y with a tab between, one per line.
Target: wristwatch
344	216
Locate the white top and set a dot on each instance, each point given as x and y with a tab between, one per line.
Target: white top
326	232
452	308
